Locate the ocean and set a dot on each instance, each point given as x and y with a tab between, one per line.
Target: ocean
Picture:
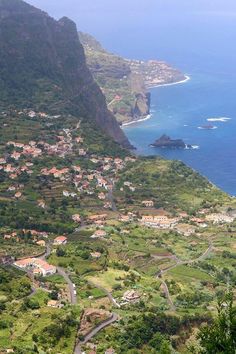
209	59
179	111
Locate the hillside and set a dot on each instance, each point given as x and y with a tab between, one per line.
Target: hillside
101	251
126	82
43	67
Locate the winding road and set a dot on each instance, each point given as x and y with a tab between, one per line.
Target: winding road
94	332
64	274
167	294
109	295
179	262
73	297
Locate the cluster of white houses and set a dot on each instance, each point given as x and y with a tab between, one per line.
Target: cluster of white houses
166	222
159	221
37	266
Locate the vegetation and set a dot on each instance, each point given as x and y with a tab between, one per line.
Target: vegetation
220	337
170	184
61	175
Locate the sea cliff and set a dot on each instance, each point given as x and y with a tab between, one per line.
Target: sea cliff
126	82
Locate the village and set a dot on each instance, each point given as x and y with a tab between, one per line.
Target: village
109	238
18	162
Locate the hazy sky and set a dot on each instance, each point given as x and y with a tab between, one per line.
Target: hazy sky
129	27
89	14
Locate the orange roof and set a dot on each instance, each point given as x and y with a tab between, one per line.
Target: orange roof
60	238
24	262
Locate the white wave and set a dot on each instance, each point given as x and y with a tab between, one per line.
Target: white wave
206	128
220	119
187	78
192	147
137	121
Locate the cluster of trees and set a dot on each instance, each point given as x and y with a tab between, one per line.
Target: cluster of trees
220	336
158	333
14	285
224	274
152	331
149	328
61	326
191	300
28	217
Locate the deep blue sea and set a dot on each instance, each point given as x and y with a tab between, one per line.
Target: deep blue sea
179	110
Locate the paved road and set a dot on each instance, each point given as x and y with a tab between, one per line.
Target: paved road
167	294
82	227
63	273
109	295
47	252
191	261
179	262
73	297
95	331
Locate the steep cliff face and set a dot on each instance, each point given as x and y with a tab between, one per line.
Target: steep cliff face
126	82
43	66
125	90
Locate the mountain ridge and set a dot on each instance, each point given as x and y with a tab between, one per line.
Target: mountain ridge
43	66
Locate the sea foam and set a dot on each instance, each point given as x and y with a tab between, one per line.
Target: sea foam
220	119
205	128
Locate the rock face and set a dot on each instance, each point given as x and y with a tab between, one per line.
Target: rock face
166	142
126	82
43	66
118	80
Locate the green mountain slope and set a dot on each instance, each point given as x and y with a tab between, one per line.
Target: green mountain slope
144	242
43	67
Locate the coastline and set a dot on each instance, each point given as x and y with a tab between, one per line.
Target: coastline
187	78
137	121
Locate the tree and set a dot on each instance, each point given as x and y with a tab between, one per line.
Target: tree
2	306
157	340
30	303
60	252
54	294
35	337
220	337
165	348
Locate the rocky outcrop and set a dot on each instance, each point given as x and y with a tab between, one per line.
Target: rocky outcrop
166	142
43	66
142	105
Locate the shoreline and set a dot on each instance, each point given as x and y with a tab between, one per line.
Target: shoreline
137	121
187	78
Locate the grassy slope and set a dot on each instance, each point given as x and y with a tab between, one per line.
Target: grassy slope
170	184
